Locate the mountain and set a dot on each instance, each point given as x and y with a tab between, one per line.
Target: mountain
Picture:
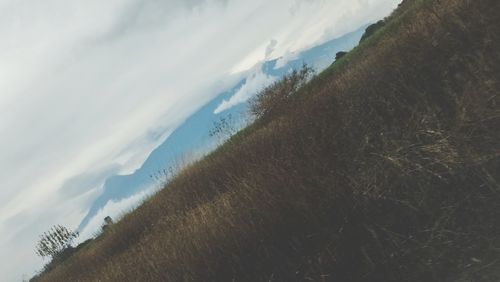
194	132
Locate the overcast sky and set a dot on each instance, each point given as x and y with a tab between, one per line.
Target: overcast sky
89	87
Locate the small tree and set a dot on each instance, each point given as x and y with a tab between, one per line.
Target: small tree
275	98
55	241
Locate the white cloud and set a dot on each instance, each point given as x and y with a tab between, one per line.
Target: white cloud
255	83
89	85
270	48
116	210
284	59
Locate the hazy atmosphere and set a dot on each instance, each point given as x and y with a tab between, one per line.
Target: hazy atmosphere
89	88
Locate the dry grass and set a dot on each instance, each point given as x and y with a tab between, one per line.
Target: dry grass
386	167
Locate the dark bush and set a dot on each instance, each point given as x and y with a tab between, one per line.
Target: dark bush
371	29
340	55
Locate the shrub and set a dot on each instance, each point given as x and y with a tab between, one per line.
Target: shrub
224	128
340	55
371	29
274	99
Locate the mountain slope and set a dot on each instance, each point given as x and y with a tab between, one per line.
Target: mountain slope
193	134
385	167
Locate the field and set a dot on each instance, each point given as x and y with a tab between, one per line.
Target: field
385	167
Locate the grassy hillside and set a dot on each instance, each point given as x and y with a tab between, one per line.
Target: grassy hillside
386	167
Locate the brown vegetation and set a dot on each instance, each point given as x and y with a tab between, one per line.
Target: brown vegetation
385	167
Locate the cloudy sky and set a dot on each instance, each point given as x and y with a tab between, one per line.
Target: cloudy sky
89	87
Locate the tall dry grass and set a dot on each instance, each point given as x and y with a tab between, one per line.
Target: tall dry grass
386	167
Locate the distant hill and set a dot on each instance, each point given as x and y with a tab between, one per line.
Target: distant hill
384	167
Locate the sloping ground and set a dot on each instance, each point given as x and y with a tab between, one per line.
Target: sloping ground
386	167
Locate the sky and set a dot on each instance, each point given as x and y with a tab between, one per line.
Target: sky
88	88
